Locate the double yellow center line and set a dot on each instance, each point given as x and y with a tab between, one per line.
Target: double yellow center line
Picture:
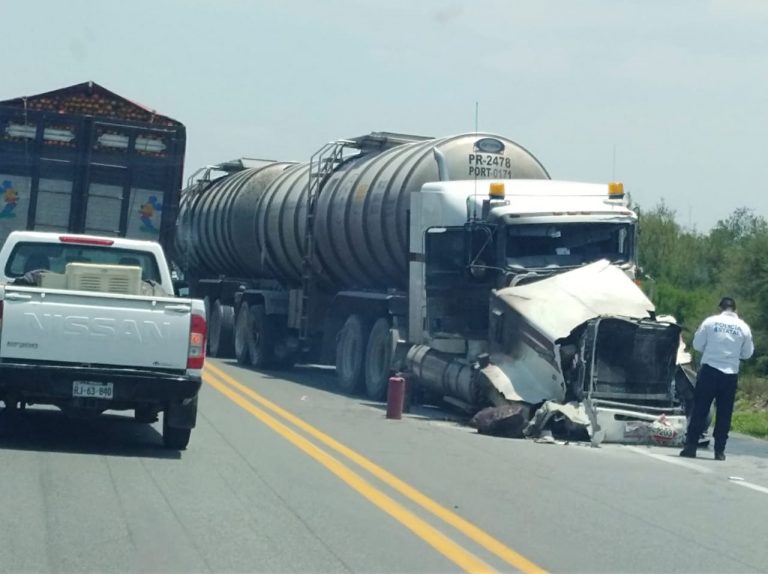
248	400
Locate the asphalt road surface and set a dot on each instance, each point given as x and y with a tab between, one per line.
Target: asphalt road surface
284	475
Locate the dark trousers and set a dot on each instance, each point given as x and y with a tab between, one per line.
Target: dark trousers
712	384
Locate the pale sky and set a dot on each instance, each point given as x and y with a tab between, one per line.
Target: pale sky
676	91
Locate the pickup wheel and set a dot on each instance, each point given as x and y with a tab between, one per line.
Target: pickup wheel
378	358
173	437
243	335
176	439
350	354
264	336
222	320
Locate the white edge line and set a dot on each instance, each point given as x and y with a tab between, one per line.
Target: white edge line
696	467
751	486
670	459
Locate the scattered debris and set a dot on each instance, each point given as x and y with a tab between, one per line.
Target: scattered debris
506	420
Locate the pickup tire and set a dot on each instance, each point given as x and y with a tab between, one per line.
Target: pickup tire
350	354
175	438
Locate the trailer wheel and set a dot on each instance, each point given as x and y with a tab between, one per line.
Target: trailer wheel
214	329
378	358
243	334
222	330
350	354
263	338
207	305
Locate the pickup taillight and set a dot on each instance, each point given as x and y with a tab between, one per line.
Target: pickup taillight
196	355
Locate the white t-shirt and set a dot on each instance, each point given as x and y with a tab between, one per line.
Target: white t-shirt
725	340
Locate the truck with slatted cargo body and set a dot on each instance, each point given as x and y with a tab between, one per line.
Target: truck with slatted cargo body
84	159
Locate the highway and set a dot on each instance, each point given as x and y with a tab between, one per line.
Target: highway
283	474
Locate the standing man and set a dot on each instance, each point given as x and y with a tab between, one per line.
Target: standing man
724	340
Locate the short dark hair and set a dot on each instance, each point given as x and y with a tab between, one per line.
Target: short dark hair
728	303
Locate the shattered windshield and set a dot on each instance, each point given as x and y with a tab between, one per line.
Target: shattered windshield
568	244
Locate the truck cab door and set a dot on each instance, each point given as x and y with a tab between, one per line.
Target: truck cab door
458	280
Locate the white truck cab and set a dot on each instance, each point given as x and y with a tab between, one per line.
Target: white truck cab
565	321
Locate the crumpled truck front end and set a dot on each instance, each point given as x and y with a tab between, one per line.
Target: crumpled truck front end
584	347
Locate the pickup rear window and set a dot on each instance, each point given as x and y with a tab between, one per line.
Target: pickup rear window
30	256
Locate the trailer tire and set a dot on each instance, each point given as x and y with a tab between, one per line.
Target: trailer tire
207	305
222	330
214	329
243	335
350	354
263	337
378	359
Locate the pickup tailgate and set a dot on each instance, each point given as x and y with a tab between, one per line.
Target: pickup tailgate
94	328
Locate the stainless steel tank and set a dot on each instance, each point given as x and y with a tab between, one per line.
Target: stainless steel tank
215	229
252	224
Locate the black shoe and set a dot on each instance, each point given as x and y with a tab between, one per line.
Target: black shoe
688	452
720	455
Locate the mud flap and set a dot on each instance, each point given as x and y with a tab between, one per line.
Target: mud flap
182	415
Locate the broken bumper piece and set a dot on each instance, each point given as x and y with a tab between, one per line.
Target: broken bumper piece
605	424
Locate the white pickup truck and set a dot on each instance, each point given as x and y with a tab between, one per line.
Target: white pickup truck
90	324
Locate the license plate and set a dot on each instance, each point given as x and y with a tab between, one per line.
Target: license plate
92	390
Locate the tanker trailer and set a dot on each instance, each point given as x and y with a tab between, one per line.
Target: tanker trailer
390	252
244	245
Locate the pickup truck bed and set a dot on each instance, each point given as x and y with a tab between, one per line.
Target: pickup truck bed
79	327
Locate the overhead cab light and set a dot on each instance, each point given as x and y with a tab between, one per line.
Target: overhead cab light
496	190
615	190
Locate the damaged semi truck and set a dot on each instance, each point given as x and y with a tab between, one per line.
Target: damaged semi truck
455	260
